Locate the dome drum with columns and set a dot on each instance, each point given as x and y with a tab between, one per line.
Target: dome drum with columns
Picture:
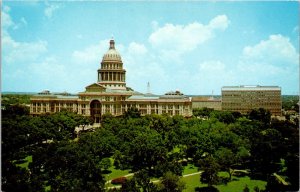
111	74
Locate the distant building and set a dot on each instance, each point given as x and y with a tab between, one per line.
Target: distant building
208	102
245	98
110	95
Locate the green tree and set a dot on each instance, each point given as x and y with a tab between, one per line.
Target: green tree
105	163
171	183
226	159
146	150
223	116
210	169
246	189
292	163
14	178
74	168
202	112
132	113
266	153
261	115
130	185
142	179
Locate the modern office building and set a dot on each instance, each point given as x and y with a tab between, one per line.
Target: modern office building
245	98
111	95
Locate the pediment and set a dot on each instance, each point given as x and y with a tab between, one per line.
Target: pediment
95	87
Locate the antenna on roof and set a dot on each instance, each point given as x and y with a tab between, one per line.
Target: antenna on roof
212	94
112	36
148	87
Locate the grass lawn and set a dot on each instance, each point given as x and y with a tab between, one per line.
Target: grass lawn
115	173
27	160
236	185
190	168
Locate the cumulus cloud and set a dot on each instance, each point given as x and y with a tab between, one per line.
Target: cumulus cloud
6	19
154	25
136	48
211	74
220	22
50	8
90	54
211	66
270	61
138	62
23	20
185	38
14	51
277	50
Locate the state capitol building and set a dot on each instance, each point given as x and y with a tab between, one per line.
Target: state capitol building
111	95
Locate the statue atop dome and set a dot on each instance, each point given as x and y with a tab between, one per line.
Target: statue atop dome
112	44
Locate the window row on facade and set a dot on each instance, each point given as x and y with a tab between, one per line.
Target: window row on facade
114	109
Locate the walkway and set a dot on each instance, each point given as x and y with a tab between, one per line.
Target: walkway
155	181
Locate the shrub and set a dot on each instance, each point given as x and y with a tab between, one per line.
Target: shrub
118	181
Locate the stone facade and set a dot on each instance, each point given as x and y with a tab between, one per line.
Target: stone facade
110	95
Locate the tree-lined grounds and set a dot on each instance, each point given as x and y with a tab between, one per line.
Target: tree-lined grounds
158	152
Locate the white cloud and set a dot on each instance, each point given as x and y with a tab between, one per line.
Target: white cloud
184	38
296	29
6	19
137	49
273	61
6	8
277	50
50	8
91	54
23	20
154	25
211	74
14	51
219	22
212	66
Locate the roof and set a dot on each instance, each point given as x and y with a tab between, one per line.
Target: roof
251	88
205	99
55	96
143	97
112	54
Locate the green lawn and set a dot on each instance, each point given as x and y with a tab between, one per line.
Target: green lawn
115	173
27	160
190	168
237	185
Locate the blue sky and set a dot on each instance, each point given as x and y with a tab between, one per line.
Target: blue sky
194	47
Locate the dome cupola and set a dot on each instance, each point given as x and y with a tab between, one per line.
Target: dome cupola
111	73
112	54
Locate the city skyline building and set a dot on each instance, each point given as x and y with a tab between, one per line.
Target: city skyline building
245	98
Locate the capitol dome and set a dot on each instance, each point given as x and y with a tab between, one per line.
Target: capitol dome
112	54
111	73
